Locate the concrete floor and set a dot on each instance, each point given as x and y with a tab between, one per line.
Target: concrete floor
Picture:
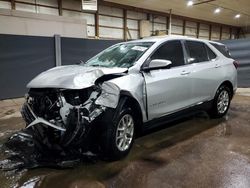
194	152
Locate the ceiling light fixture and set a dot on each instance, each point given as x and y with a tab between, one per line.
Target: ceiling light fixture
190	3
237	16
217	10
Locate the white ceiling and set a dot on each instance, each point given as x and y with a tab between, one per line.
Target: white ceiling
203	11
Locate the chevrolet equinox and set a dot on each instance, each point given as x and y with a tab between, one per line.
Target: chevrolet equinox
127	88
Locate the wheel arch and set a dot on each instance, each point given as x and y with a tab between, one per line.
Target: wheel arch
229	85
130	101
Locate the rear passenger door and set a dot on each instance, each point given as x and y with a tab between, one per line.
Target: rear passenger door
205	71
168	90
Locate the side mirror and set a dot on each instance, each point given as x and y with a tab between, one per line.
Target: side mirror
157	64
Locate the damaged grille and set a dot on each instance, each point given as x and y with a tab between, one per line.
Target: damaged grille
45	103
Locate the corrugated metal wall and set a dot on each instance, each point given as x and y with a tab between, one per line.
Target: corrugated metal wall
24	57
240	50
21	59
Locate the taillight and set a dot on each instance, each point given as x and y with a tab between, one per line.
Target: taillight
236	64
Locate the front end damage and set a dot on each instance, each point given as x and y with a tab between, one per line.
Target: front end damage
59	122
65	115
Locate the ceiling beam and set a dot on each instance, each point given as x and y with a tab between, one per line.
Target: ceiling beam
203	2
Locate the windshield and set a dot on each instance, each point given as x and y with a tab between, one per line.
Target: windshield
120	55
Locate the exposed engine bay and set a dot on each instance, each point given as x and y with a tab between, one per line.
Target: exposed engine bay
65	114
59	122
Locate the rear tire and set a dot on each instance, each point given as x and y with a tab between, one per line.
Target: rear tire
118	138
221	102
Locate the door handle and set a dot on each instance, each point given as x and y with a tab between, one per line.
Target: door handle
185	72
217	66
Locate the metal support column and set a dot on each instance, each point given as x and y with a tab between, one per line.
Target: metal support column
170	22
125	25
13	5
58	54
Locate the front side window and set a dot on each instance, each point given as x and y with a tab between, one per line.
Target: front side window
172	51
121	55
197	52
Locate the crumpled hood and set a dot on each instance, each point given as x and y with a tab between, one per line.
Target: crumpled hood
71	77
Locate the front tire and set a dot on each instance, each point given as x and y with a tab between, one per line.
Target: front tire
221	102
118	137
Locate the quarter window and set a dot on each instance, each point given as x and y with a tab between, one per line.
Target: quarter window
197	52
223	49
172	51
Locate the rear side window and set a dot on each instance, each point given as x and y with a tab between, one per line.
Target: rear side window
171	50
197	52
222	49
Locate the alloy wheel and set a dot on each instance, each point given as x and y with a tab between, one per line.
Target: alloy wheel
223	102
125	132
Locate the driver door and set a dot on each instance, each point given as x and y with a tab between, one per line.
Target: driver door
168	90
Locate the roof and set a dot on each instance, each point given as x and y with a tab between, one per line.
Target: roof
166	37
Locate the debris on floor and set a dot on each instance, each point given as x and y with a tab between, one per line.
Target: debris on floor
23	150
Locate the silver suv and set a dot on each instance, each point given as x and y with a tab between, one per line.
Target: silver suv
127	88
